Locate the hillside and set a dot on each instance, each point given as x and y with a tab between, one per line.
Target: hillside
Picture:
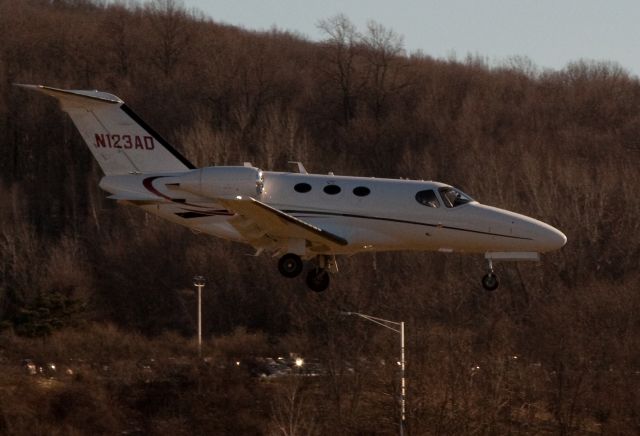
560	146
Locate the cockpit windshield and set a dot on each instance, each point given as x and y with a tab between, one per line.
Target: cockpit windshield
428	198
452	197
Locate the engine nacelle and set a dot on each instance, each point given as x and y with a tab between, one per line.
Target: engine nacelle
216	182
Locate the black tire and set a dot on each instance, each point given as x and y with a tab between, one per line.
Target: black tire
290	265
490	282
318	279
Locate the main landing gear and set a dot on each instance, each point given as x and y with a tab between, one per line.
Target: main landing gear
290	265
318	279
490	281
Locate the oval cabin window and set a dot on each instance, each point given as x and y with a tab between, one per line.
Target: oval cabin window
361	191
302	187
332	189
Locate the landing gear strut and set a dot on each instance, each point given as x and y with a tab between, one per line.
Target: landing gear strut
290	265
490	281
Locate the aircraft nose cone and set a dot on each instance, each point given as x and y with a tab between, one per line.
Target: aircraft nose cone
551	238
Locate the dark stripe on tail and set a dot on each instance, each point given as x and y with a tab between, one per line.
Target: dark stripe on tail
157	137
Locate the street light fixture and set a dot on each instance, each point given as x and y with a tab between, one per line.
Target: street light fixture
199	282
397	327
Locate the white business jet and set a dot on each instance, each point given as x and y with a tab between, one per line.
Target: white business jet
294	215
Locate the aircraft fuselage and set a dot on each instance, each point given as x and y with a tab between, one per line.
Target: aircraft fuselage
372	214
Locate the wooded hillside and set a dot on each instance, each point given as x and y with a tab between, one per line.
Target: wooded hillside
555	350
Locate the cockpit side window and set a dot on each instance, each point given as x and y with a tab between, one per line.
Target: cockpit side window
452	197
428	198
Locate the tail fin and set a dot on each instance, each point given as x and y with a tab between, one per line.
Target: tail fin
120	141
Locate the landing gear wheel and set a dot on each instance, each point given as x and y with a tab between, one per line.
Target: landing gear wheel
318	279
490	282
290	265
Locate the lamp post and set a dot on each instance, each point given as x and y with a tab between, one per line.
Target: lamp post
397	327
198	282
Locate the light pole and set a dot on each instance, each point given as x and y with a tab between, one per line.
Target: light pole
198	282
397	327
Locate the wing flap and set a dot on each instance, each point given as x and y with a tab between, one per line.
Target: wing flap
133	196
262	224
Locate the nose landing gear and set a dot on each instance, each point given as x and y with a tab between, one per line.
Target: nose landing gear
490	281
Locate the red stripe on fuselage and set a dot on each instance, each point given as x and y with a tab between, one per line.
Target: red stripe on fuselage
148	184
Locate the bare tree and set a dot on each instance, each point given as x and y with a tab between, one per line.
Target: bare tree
293	411
340	62
171	34
384	64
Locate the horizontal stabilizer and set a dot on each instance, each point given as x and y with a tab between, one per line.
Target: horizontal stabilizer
73	93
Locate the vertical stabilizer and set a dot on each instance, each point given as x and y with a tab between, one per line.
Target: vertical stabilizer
121	142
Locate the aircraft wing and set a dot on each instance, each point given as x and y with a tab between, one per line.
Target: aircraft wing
266	227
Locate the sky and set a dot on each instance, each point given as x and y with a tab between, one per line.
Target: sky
551	33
